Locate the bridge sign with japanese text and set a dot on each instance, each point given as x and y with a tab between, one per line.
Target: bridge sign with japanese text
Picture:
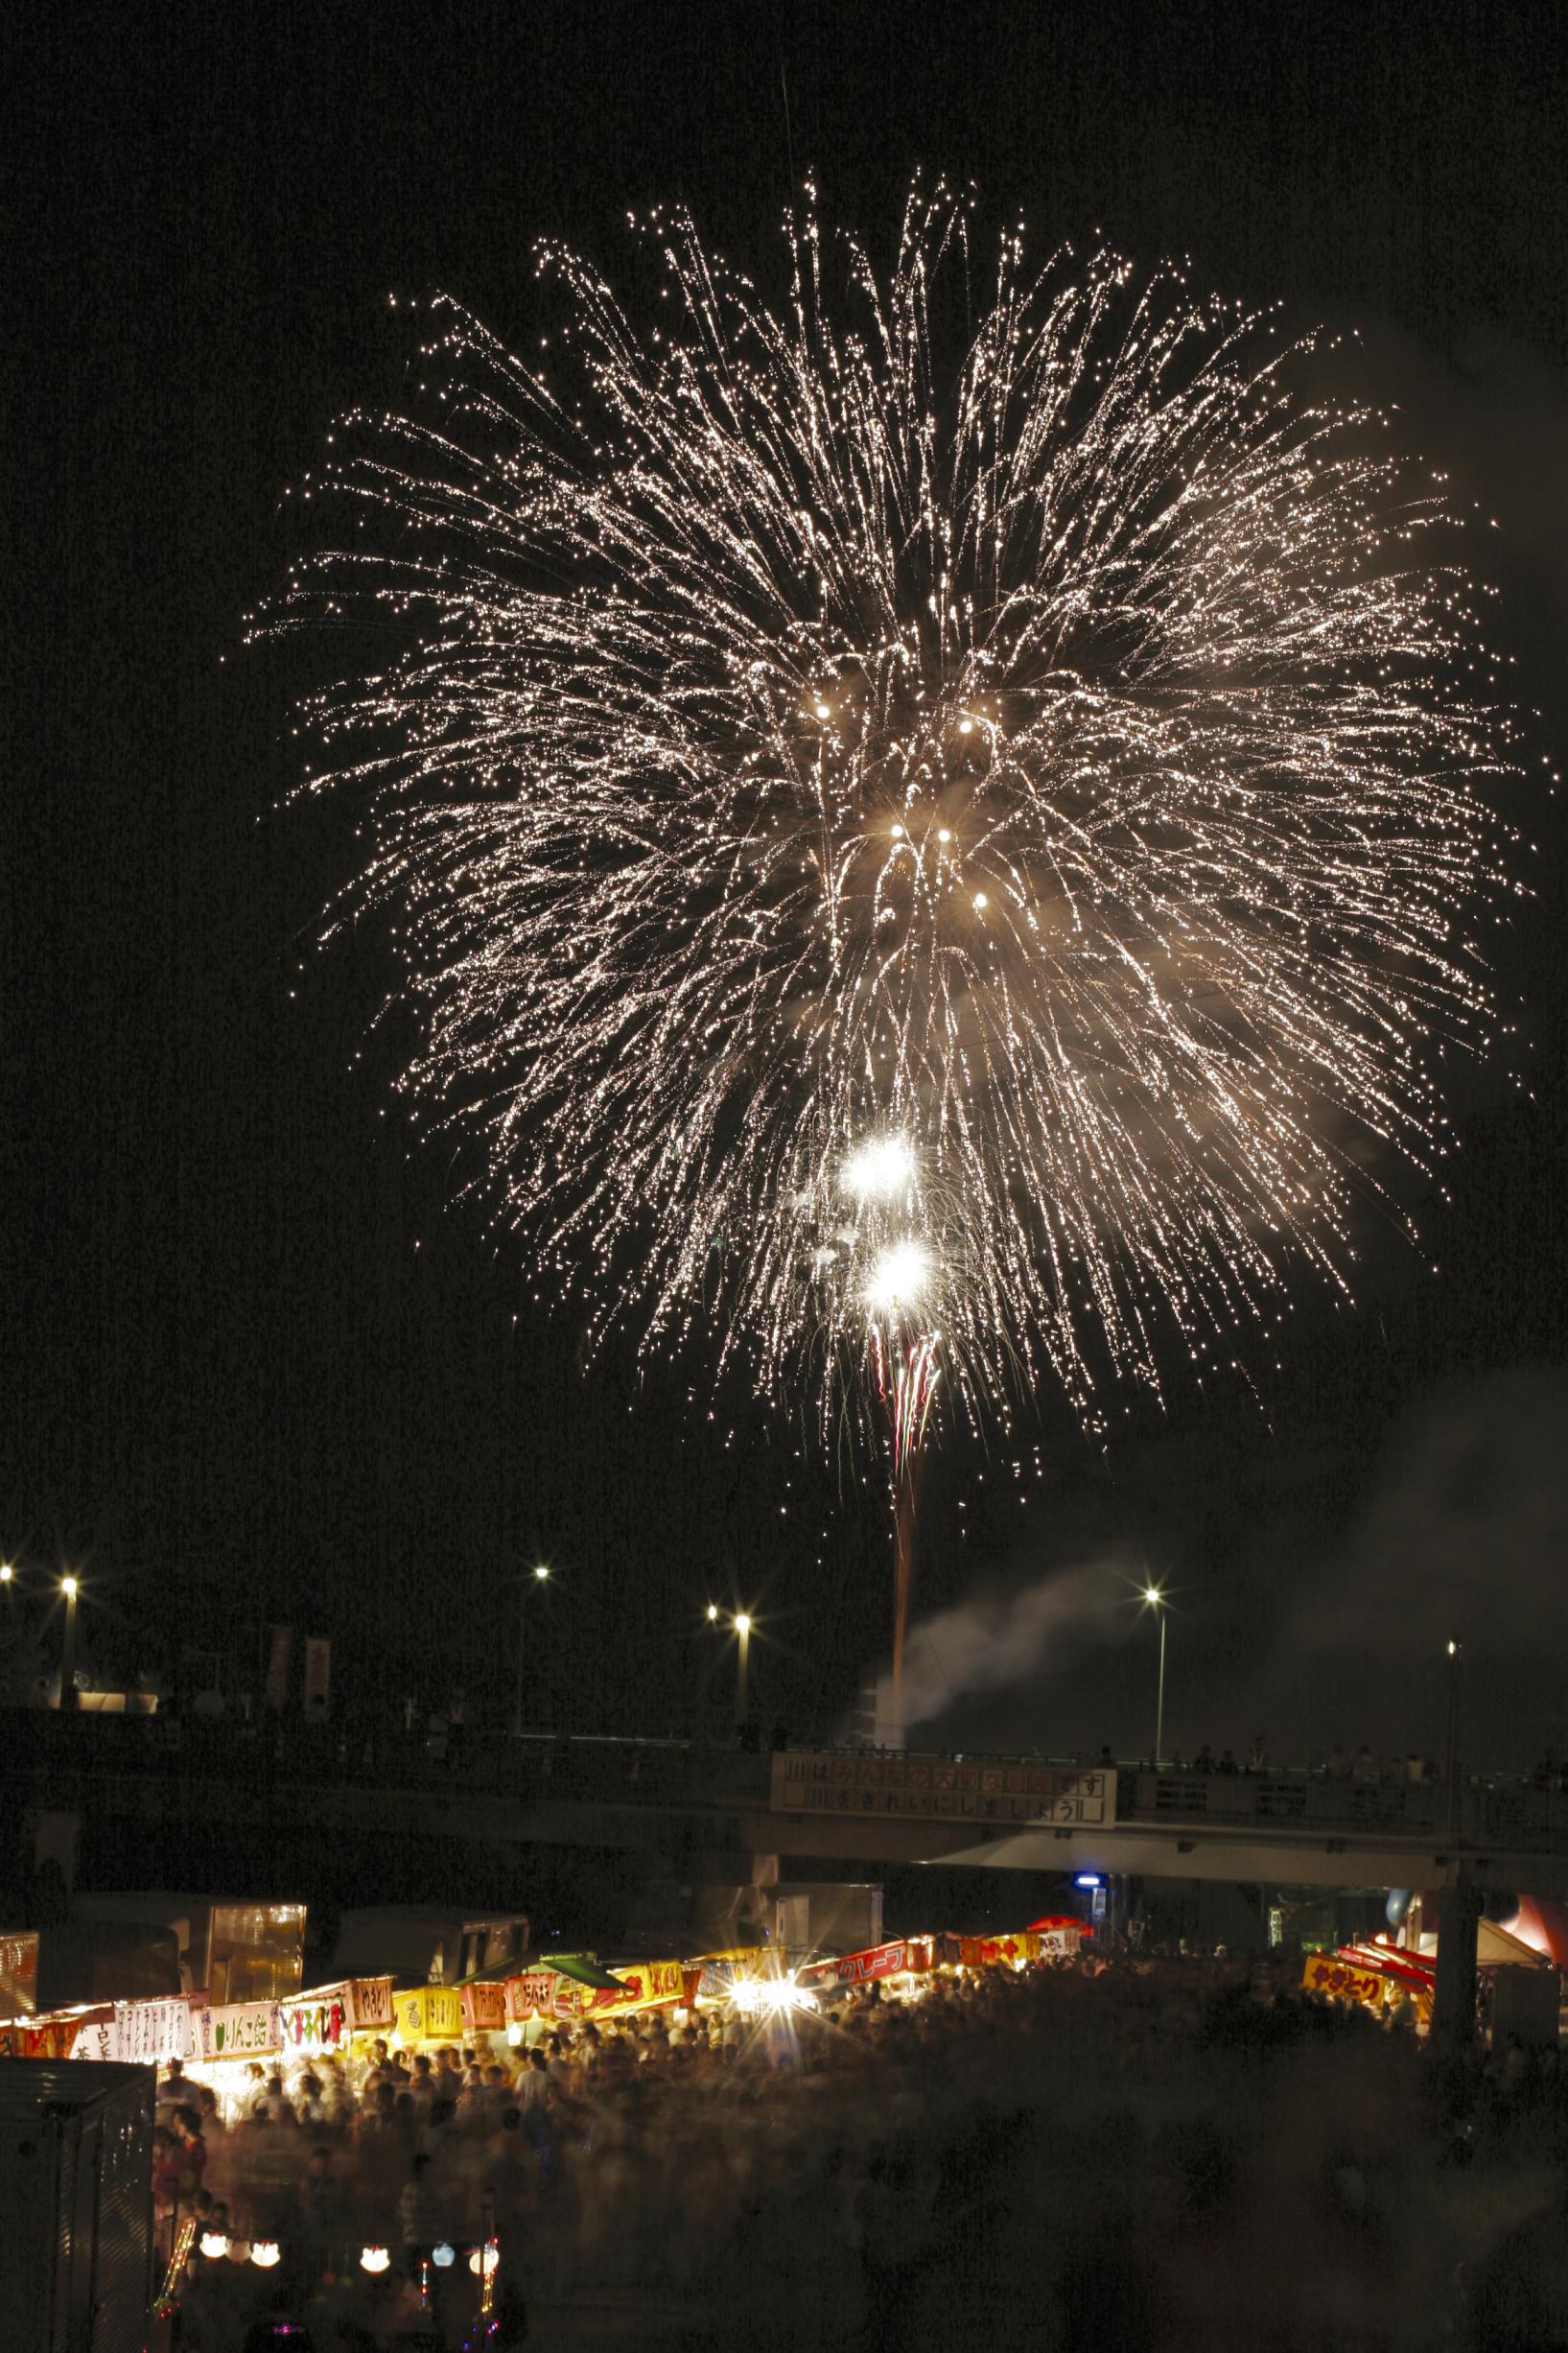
943	1789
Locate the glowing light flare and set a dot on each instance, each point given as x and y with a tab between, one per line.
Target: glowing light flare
900	1278
878	1169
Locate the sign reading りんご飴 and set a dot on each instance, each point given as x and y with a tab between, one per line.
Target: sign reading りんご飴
939	1788
235	2030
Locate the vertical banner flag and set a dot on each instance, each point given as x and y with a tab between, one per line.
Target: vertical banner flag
318	1678
278	1669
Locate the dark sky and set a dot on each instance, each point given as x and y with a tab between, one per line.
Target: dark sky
254	1366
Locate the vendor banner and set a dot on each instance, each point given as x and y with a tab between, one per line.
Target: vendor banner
136	2034
648	1985
862	1969
531	1993
152	2032
53	2038
485	2007
429	2014
368	2002
1059	1943
1327	1973
322	2019
235	2030
1003	1952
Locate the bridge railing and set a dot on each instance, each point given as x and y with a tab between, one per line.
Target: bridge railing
1488	1812
64	1748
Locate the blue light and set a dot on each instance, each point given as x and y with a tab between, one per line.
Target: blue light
1087	1879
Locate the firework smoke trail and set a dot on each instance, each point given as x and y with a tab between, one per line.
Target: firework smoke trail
1067	768
906	1390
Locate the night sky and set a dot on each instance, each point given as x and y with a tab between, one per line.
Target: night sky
256	1366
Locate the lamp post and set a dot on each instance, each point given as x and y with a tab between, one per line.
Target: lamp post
67	1656
1156	1601
541	1576
1451	1764
742	1663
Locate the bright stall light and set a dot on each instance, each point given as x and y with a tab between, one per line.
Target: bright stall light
771	1993
265	2254
485	2259
215	2242
443	2256
374	2259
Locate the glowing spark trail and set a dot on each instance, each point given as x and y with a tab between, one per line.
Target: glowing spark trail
896	829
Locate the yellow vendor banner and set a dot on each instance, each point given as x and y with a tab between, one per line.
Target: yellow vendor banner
1327	1973
648	1984
428	2013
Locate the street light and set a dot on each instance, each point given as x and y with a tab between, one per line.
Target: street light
1452	1762
1156	1601
742	1627
67	1660
541	1576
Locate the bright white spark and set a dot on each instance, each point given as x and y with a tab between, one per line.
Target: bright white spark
878	1168
899	1279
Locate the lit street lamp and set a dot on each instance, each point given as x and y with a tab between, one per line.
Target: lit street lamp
541	1576
67	1660
1156	1601
1451	1765
742	1627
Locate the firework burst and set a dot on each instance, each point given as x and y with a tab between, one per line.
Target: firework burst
901	856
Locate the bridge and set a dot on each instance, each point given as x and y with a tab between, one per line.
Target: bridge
272	1801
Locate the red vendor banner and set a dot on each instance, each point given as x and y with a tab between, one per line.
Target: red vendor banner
484	2006
876	1961
998	1952
531	1993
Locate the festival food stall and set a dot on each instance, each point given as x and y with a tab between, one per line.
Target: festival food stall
1374	1974
1060	1936
425	2016
567	1988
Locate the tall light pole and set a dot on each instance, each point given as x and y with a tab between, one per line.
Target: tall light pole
1156	1601
541	1576
67	1656
1452	1762
742	1663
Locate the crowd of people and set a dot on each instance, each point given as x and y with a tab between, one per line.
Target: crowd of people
1151	2152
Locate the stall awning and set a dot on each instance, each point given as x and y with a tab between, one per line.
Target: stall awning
584	1969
